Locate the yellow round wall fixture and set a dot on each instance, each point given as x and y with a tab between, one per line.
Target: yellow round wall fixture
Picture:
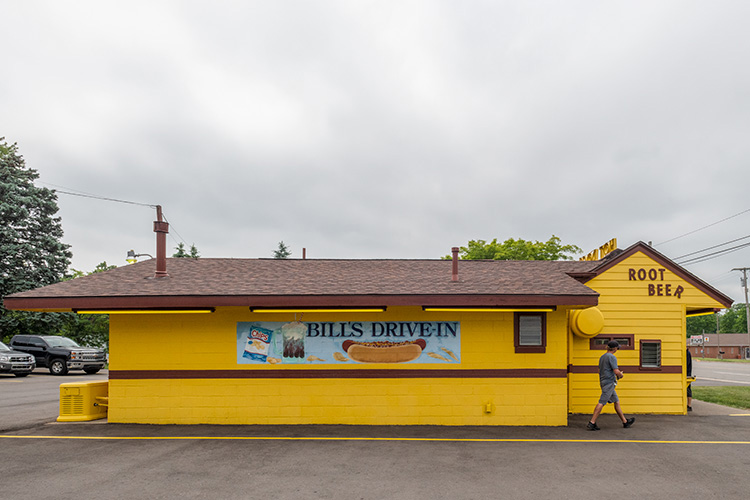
587	323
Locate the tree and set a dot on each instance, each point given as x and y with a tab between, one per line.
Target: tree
31	253
87	329
101	267
732	320
697	325
282	252
512	249
182	253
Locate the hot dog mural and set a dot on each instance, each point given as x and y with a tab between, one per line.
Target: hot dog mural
353	342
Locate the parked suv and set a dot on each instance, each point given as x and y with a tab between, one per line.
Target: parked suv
60	354
18	363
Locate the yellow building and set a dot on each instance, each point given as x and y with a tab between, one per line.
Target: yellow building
401	342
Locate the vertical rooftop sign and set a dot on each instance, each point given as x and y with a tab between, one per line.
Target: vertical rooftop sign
602	251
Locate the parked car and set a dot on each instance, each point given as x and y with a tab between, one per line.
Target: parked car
60	354
18	363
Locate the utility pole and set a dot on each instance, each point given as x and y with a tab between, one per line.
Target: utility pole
743	281
718	339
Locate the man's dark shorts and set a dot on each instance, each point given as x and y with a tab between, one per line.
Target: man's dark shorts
608	394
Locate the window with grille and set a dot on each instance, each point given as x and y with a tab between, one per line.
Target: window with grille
626	341
651	354
530	332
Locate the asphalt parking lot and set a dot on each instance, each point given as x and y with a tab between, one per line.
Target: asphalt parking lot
705	454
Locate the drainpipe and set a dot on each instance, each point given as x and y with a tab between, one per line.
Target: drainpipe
161	229
455	264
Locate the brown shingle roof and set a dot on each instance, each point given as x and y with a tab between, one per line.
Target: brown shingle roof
295	282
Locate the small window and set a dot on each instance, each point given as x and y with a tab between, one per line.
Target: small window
626	341
530	332
651	354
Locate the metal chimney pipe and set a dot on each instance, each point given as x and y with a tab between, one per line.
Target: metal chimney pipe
161	229
455	264
304	253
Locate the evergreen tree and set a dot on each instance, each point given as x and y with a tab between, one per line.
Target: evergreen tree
31	253
183	253
282	252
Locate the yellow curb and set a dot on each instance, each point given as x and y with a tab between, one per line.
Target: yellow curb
450	440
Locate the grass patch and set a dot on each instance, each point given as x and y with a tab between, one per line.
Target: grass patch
734	396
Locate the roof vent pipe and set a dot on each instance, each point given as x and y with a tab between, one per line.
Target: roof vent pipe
161	229
304	253
455	264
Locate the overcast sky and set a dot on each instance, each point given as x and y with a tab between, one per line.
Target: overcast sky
385	129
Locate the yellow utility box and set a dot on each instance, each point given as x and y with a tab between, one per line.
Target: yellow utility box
83	401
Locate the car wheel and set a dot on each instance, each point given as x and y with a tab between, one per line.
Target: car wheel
58	367
20	374
91	371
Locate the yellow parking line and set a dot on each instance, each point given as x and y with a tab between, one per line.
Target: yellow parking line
739	414
450	440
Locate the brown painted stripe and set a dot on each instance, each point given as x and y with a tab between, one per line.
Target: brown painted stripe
626	369
316	374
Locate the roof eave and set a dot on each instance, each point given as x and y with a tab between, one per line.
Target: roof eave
145	302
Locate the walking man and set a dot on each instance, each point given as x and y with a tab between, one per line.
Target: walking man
689	369
609	374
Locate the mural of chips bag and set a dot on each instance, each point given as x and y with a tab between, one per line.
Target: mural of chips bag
258	344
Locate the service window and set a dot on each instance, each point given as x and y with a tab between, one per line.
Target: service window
530	332
651	354
600	342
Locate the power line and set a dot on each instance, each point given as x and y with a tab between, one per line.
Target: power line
107	199
173	229
87	195
720	278
714	255
704	227
711	248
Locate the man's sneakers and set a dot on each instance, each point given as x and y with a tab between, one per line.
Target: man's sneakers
593	427
690	408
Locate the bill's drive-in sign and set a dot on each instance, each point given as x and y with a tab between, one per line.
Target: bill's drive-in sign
348	342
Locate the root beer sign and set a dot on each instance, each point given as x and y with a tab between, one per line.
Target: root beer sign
653	278
349	342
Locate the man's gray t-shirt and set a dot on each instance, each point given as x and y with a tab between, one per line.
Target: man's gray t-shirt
607	367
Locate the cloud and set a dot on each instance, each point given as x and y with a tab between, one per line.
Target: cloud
383	129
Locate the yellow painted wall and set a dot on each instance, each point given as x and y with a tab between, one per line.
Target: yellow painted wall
208	342
629	309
